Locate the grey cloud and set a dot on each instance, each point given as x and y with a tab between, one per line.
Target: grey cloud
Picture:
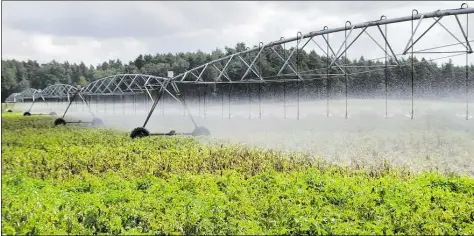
124	19
161	27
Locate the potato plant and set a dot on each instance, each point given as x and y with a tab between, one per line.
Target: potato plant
77	180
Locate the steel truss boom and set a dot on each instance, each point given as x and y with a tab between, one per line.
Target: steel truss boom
436	15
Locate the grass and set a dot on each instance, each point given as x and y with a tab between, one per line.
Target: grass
76	180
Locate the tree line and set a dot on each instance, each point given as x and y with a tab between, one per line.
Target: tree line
440	80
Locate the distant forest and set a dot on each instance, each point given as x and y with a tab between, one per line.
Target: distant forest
430	78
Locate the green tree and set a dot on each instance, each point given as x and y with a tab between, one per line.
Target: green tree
82	81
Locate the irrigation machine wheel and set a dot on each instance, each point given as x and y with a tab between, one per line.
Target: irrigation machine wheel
59	121
26	114
201	131
53	113
139	132
97	121
9	110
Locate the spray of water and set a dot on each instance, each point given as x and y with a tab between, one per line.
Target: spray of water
438	138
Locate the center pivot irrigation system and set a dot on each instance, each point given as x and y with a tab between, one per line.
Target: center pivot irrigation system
245	67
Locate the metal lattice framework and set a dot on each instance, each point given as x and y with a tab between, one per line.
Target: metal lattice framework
216	71
13	98
249	68
126	84
57	91
246	66
123	84
28	93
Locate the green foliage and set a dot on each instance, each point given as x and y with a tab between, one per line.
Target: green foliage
82	81
74	180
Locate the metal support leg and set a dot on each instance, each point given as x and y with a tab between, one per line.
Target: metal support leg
33	103
160	93
70	102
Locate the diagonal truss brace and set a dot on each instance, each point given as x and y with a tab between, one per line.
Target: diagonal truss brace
290	66
347	48
469	48
413	34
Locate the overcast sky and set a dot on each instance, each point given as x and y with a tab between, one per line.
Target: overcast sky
94	32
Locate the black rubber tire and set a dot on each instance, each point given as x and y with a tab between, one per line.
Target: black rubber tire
53	113
201	131
59	121
9	110
26	114
97	122
139	132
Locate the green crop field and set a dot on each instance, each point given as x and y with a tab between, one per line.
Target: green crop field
78	180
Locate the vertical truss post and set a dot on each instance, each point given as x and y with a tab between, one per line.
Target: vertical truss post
284	80
123	103
185	106
345	55
260	84
134	104
222	102
204	100
412	65
250	100
248	87
215	87
230	90
327	72
163	105
299	36
199	98
467	63
260	100
386	71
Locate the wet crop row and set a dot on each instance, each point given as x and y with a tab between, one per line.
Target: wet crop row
82	181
